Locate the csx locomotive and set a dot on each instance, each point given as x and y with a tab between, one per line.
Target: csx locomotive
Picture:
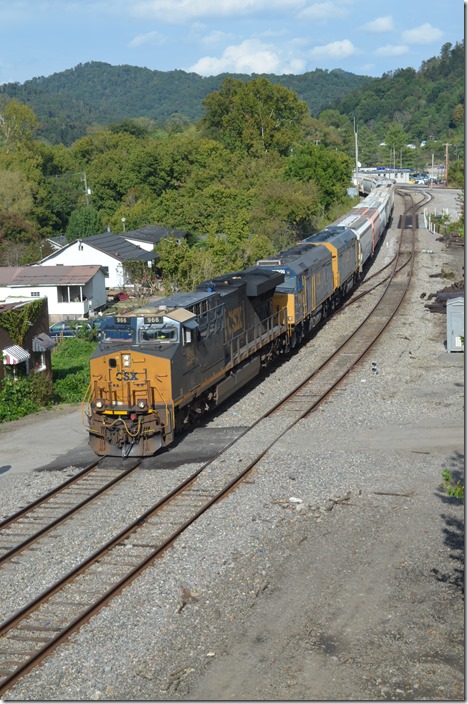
158	368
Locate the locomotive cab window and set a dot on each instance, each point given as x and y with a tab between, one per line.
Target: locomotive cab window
289	285
109	334
158	333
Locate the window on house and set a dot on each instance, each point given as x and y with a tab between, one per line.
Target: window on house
38	362
35	294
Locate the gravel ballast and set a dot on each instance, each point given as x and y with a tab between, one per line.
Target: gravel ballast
335	572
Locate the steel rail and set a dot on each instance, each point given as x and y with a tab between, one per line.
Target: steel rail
146	538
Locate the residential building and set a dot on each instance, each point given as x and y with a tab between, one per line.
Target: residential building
72	291
111	252
25	345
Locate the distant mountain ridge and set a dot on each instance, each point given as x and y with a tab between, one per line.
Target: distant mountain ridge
67	103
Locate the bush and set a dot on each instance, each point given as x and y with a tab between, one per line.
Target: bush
70	364
71	388
452	487
42	388
68	383
16	399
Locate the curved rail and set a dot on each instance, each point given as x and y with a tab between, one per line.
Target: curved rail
34	631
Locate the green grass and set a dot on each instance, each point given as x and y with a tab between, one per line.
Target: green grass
70	367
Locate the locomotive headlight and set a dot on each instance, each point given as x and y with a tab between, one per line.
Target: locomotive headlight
126	360
99	404
141	404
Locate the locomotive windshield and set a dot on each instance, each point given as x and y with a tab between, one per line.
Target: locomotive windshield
158	333
110	333
289	284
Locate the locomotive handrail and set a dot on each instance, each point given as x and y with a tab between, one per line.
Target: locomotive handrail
276	325
86	403
170	413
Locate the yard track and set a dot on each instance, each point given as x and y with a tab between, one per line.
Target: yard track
35	630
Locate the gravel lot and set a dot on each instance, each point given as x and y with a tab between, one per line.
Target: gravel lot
334	573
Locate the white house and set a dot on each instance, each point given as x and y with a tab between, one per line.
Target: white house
110	251
149	236
72	291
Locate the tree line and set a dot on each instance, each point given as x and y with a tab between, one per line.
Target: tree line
255	174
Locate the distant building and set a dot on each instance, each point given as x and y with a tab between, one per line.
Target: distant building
382	174
111	251
72	291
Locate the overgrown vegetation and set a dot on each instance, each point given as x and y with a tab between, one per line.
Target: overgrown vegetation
70	365
452	487
67	383
16	399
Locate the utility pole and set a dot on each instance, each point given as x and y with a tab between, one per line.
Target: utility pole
356	152
86	189
446	164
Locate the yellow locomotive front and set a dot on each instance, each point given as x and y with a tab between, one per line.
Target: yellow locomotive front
160	368
130	407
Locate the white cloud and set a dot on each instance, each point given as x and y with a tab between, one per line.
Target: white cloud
251	56
216	37
425	34
335	50
380	24
321	12
182	10
152	38
391	50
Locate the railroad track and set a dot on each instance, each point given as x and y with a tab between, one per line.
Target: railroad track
19	531
36	629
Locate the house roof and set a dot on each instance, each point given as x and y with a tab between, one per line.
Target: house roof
118	247
48	275
16	304
58	242
8	273
154	233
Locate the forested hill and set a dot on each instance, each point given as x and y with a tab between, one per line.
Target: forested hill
426	102
96	93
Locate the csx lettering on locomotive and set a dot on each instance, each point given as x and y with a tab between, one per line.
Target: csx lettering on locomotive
235	321
126	376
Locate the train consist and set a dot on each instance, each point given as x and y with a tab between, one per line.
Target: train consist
158	368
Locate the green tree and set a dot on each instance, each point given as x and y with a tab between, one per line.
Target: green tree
83	223
395	138
16	194
130	127
174	261
329	170
17	124
285	211
255	117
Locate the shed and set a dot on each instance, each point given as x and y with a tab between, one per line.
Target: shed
455	324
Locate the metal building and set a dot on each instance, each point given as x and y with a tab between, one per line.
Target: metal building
456	324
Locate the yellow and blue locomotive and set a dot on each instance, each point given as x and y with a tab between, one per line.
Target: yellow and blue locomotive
160	367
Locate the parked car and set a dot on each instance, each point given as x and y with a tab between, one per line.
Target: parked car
69	328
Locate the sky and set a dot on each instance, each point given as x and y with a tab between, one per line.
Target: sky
208	37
